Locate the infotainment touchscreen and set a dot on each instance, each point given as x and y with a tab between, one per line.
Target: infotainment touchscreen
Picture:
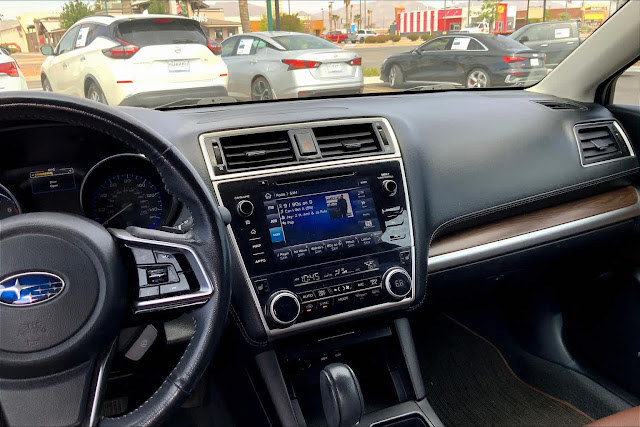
321	219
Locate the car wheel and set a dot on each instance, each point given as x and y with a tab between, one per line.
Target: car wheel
261	90
94	93
478	78
46	86
396	78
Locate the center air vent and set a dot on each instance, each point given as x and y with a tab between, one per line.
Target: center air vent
560	105
600	142
347	140
257	150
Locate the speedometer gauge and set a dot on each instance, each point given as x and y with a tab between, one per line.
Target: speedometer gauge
8	204
127	199
126	190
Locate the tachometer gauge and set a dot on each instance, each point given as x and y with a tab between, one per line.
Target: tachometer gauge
126	190
8	204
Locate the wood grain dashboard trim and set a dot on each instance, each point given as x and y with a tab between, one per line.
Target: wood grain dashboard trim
534	228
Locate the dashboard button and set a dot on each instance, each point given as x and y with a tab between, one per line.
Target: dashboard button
390	187
309	308
398	236
392	212
397	283
283	308
395	222
245	208
322	293
350	242
316	248
373	281
270	207
324	305
361	284
333	245
300	251
262	286
283	255
405	257
260	260
307	296
366	239
343	301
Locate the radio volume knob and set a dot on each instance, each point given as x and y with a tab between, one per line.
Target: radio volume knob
397	282
283	308
390	187
245	208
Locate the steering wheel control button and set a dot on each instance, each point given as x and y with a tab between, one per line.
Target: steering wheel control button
157	275
390	187
167	258
141	345
245	208
148	292
174	288
283	308
397	282
143	256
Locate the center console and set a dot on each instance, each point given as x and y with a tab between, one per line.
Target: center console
317	245
319	240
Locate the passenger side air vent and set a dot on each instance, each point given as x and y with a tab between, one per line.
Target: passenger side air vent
560	105
600	142
256	150
347	140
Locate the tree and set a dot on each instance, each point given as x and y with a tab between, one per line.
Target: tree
346	12
158	7
358	20
488	11
243	5
73	11
287	23
547	15
336	20
564	16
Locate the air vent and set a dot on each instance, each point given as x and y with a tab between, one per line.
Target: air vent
560	105
347	140
257	150
600	142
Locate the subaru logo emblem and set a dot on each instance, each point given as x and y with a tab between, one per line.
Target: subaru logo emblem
177	50
25	289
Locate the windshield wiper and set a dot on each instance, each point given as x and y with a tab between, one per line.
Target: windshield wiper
192	102
434	86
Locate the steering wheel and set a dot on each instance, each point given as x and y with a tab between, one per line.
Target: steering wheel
54	355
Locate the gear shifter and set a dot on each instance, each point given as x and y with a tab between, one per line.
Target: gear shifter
341	395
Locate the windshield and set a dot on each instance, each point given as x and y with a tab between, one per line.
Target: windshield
301	42
174	53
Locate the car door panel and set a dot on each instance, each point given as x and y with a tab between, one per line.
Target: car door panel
58	74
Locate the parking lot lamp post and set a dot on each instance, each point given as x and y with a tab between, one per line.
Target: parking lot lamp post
269	17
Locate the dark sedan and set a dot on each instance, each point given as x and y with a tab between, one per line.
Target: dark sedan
472	61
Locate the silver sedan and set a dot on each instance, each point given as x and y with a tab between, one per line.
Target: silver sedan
279	64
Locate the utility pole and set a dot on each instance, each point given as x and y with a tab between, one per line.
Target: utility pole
528	3
330	16
360	22
106	7
544	10
269	17
277	5
322	10
469	13
365	14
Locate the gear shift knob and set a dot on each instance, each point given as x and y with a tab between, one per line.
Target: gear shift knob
341	395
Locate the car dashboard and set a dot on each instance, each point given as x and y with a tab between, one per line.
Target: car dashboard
347	208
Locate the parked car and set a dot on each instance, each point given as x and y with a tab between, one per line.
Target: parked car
336	36
472	61
556	39
140	60
480	27
11	77
269	65
360	35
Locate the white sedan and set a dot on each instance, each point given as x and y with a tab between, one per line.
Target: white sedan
11	77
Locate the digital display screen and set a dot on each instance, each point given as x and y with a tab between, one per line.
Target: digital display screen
321	222
52	180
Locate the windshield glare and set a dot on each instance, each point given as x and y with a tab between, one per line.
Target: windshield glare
168	53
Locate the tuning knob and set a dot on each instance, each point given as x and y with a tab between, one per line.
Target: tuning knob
390	187
283	308
245	208
397	282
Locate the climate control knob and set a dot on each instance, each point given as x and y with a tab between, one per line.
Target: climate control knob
245	208
283	308
390	187
397	282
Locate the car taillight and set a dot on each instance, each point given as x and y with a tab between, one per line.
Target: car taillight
356	61
214	47
123	51
512	59
299	64
9	68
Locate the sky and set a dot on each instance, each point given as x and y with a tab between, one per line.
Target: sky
9	9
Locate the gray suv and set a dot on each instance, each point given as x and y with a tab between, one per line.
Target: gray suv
555	38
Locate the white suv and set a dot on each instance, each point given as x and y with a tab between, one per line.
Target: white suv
138	60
